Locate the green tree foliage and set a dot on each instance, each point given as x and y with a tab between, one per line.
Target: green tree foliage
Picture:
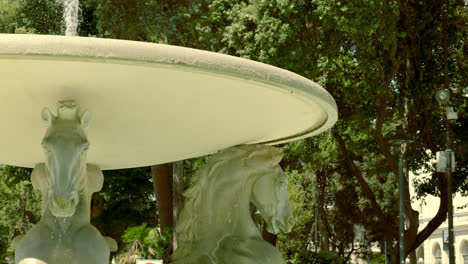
153	21
344	206
300	197
142	242
127	199
322	257
19	207
8	11
39	16
87	18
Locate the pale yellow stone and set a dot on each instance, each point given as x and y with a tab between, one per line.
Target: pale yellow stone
151	103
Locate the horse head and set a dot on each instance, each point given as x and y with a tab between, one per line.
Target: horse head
65	145
270	190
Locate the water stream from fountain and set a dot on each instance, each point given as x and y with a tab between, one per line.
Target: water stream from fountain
70	16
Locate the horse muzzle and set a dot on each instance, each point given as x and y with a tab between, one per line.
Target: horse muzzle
288	223
284	224
63	207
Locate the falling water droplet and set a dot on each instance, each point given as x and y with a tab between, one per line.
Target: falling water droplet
64	224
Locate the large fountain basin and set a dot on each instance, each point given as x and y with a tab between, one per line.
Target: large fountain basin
150	103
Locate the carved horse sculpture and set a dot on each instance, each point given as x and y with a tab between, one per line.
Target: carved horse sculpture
215	226
64	234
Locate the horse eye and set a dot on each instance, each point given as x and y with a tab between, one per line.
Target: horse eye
282	182
45	144
86	146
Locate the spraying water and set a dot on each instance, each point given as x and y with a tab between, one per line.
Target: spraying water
70	16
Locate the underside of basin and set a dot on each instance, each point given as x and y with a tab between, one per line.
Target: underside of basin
150	103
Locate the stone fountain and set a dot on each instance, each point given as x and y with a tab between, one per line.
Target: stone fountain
150	104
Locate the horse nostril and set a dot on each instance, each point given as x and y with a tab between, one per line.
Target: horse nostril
54	203
73	201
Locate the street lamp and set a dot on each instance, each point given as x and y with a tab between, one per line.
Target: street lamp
446	163
401	139
443	96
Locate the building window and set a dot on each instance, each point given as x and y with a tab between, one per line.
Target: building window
464	252
420	255
437	254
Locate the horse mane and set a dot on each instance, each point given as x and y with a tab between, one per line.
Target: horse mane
245	155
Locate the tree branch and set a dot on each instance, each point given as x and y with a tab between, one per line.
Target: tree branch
426	132
437	220
31	217
365	187
382	106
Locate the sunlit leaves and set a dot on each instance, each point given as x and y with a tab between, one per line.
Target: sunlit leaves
142	242
19	206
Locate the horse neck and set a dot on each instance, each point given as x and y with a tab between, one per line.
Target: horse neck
233	207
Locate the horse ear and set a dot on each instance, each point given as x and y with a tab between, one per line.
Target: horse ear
95	178
47	116
39	178
85	118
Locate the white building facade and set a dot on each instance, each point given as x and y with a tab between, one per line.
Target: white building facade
433	250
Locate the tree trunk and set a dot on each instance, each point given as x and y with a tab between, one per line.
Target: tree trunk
97	206
323	223
395	255
412	257
162	188
177	190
